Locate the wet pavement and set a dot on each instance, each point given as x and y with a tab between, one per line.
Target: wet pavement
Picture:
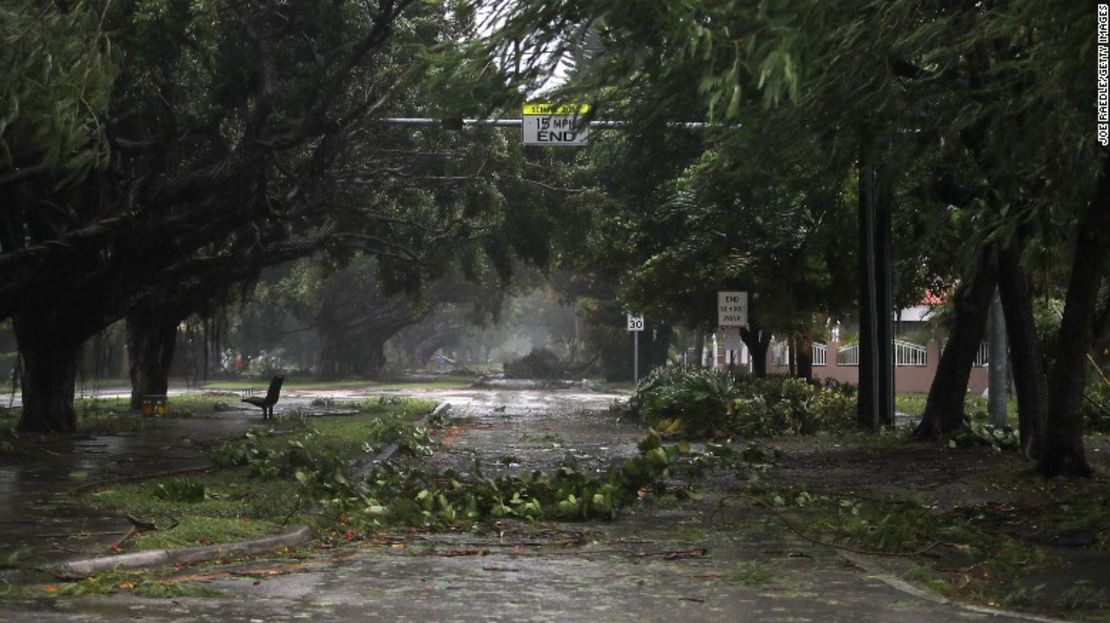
40	527
702	559
37	523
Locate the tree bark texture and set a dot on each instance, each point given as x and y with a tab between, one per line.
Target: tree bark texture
757	342
1063	452
151	341
49	376
803	356
944	408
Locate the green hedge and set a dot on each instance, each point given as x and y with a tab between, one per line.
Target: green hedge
700	402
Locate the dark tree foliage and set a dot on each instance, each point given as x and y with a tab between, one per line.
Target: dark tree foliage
950	99
212	140
219	122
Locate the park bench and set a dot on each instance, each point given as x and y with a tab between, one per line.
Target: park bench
267	402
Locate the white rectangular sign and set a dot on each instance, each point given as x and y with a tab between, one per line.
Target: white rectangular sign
555	124
732	309
635	322
555	130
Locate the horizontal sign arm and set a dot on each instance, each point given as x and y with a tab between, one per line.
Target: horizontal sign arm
600	124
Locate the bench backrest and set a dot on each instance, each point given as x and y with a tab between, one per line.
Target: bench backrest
275	390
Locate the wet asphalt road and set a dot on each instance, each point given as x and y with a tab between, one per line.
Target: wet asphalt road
699	560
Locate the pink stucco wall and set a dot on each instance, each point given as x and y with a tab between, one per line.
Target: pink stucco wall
906	378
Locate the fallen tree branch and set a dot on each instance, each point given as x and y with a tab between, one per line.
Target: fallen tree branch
798	531
76	569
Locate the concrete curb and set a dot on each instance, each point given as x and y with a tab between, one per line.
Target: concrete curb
77	569
82	568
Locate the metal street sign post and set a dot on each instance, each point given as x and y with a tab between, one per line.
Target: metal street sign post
555	125
635	325
732	345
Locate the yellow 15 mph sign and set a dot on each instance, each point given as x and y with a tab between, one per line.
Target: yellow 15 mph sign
555	124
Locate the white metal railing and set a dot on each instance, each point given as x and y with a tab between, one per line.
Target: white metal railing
820	354
910	354
982	355
848	355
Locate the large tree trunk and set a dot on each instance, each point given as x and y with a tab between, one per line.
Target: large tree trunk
334	359
803	356
757	342
944	409
151	341
1025	356
374	358
1063	452
49	375
699	347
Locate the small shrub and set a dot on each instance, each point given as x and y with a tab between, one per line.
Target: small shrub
692	401
833	410
698	402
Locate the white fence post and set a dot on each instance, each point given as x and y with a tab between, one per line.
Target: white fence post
910	354
982	356
848	355
820	354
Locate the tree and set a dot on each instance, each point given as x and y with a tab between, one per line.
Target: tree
152	322
1063	451
896	82
223	130
198	117
355	317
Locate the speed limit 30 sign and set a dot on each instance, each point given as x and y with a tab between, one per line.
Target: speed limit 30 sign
635	322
